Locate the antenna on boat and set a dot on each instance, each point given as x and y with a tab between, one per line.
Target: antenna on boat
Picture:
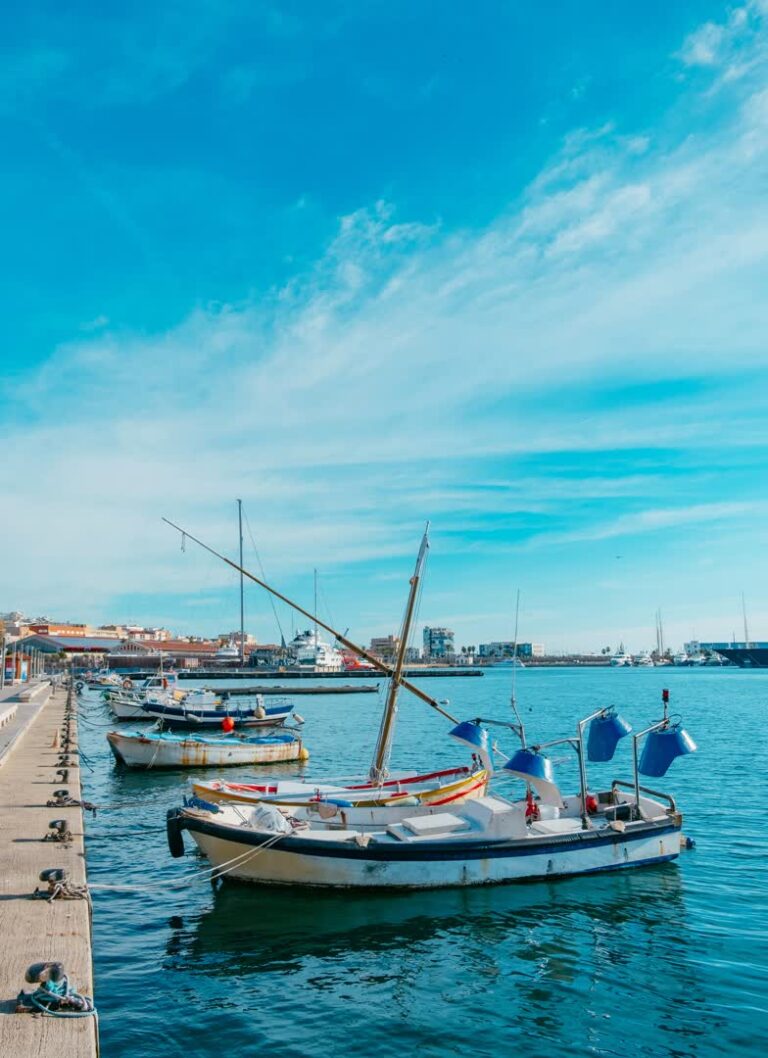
519	727
354	647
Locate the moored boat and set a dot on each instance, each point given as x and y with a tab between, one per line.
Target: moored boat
182	715
164	749
436	789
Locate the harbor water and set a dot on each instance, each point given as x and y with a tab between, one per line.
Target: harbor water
668	960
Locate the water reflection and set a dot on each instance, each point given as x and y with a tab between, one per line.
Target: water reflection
590	940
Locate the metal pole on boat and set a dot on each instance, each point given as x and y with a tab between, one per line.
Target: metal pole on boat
354	647
513	700
583	765
658	726
242	590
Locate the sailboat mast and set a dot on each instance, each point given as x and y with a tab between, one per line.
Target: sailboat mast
379	767
315	611
242	588
744	611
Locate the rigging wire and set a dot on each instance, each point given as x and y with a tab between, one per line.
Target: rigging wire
264	576
324	601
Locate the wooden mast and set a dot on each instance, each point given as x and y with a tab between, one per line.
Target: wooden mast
378	770
360	651
242	599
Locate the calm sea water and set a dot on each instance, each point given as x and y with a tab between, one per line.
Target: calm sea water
670	960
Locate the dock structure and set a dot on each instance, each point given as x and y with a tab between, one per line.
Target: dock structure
32	745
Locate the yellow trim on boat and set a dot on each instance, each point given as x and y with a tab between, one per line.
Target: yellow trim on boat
439	793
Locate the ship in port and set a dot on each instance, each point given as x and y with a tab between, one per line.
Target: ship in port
745	655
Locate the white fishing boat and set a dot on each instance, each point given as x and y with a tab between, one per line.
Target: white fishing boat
132	692
183	714
97	680
436	790
163	749
492	839
135	707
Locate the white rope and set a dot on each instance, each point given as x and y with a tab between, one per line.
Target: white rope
212	872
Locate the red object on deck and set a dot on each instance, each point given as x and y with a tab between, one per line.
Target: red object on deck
227	725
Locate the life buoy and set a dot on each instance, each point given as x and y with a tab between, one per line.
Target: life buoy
128	684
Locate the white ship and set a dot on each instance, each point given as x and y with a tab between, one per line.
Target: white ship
621	657
312	652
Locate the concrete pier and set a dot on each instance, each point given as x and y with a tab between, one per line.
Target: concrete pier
36	930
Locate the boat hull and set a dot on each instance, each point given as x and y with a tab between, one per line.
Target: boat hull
297	861
436	789
124	709
142	751
177	716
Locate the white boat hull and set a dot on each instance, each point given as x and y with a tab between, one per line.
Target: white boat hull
124	709
275	867
139	751
444	865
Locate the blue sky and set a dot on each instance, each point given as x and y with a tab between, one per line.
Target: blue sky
493	265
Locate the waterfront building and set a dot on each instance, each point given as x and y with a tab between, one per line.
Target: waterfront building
438	643
385	647
58	628
502	649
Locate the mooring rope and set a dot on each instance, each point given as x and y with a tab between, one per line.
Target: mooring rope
213	873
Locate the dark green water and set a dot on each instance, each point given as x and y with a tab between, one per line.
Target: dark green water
669	960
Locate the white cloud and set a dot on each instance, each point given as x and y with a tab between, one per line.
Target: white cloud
702	48
340	406
734	48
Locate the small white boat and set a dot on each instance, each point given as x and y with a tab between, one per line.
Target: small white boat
438	789
184	714
127	706
644	660
163	749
